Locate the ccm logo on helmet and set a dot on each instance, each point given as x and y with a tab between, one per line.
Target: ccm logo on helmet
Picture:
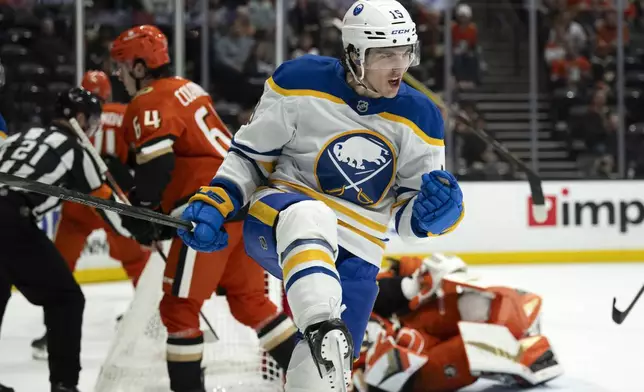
403	31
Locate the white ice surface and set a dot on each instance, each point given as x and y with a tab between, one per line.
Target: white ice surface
597	354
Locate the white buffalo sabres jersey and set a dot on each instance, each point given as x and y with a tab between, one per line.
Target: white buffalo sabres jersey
311	133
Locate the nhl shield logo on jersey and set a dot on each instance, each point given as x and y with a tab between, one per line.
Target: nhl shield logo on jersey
357	166
362	106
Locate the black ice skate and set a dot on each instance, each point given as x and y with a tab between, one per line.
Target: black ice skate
332	348
39	348
59	387
4	388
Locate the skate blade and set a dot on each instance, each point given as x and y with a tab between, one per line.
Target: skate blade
336	349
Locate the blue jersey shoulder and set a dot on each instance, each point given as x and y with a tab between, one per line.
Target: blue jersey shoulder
3	127
419	109
308	72
326	75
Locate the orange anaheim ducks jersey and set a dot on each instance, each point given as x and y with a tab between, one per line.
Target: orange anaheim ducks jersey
175	115
108	140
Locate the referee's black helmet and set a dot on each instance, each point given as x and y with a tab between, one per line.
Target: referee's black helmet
78	100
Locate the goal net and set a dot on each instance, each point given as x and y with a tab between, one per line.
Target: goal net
232	360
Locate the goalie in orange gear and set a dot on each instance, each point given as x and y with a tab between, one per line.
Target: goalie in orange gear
435	327
180	143
77	221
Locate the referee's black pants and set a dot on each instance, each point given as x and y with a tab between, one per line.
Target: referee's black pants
30	261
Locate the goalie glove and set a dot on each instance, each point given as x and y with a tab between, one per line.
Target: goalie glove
426	281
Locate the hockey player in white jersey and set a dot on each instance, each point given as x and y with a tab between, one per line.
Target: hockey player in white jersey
344	146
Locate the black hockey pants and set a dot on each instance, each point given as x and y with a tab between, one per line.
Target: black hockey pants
30	261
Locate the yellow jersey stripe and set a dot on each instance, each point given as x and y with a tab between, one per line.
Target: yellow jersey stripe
371	238
419	132
306	256
297	92
335	206
264	213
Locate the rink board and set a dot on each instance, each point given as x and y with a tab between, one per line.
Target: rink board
588	221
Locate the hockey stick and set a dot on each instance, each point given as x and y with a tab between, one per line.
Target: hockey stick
539	210
119	192
92	201
619	316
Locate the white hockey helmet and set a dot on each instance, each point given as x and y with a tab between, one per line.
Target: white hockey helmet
372	24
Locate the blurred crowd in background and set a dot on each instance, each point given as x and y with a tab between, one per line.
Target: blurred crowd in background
486	79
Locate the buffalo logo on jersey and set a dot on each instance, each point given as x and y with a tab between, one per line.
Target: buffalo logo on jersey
357	166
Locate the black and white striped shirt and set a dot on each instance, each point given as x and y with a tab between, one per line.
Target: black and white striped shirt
52	156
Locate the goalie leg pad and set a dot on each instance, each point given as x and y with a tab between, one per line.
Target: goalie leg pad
494	352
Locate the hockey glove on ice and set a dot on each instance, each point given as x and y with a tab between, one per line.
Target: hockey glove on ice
438	206
208	209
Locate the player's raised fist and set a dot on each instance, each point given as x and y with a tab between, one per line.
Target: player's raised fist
439	204
208	234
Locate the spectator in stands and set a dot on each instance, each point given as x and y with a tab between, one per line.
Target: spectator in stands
233	57
262	15
235	47
571	32
596	128
607	31
604	66
472	147
573	71
330	44
305	46
557	45
432	37
305	16
97	54
48	45
465	46
478	159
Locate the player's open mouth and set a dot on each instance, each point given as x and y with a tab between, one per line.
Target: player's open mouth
395	82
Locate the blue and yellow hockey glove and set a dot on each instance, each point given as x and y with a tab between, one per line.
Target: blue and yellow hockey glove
438	208
208	209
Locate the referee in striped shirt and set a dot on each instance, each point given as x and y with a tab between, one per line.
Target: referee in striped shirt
28	259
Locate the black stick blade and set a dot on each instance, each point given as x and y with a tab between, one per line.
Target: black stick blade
618	316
